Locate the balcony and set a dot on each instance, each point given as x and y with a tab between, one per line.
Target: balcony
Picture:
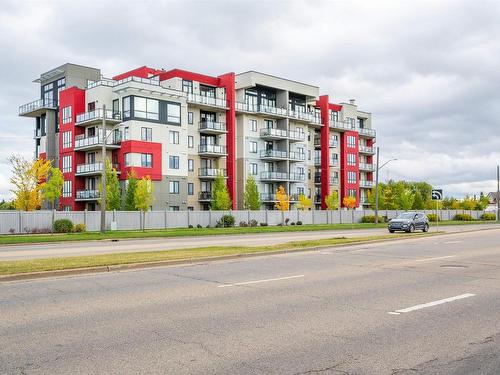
367	150
212	150
297	177
93	169
205	196
296	156
88	143
334	180
37	108
210	127
366	167
273	176
295	136
273	155
211	173
365	184
264	109
308	117
273	134
368	133
268	197
341	125
207	101
87	195
317	160
96	117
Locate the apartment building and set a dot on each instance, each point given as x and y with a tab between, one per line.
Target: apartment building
183	129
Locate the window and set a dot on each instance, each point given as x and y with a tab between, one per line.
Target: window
253	125
173	208
335	158
146	108
66	163
253	147
173	162
351	192
116	107
351	141
351	177
190	141
361	123
253	168
190	208
147	134
190	188
67	139
91	106
190	165
127	159
67	186
61	85
126	133
300	191
208	91
146	160
174	137
173	187
66	115
174	113
190	118
66	208
187	86
300	170
269	124
350	122
334	141
351	159
126	107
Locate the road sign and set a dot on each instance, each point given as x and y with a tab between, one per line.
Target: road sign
437	194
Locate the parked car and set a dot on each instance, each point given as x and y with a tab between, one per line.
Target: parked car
409	222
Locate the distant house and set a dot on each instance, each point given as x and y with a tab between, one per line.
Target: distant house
493	199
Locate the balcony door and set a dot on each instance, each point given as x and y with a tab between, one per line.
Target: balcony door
206	186
207	116
208	140
91	158
207	163
91	183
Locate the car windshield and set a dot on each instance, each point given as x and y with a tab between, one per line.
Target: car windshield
406	215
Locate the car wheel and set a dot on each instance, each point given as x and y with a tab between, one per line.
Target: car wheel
411	229
426	228
391	231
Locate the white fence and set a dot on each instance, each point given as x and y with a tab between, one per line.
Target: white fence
25	222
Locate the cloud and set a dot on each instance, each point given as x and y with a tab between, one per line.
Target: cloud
428	71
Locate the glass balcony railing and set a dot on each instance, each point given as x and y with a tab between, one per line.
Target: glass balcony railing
255	108
276	176
36	105
212	126
83	142
297	176
205	196
207	100
341	125
296	136
273	154
90	168
87	194
365	184
98	114
298	156
305	116
147	81
366	132
367	149
366	166
211	172
212	149
268	197
273	133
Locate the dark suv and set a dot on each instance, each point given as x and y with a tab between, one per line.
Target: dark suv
409	222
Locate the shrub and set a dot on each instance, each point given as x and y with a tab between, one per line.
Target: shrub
27	230
199	226
263	224
253	223
208	226
462	217
79	228
243	224
190	226
488	216
40	230
226	221
433	218
371	219
292	223
279	224
63	226
299	222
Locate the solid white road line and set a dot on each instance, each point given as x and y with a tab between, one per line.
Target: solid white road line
450	242
436	258
260	281
430	304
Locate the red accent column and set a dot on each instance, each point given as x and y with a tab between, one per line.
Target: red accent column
228	81
345	167
322	103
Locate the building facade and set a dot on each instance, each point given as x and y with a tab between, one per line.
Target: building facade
183	129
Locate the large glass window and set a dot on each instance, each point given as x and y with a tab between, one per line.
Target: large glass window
66	164
127	159
174	187
66	115
190	141
351	141
351	159
67	139
174	137
190	165
187	86
146	160
207	91
126	107
173	162
67	187
174	113
146	108
351	177
116	107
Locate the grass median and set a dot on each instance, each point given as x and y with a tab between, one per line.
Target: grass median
66	263
9	239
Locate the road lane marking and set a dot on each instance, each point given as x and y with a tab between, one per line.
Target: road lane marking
450	242
260	281
431	304
436	258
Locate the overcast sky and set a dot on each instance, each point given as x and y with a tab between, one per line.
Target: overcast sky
429	71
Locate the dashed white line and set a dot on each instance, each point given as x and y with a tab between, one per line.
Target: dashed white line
430	304
259	281
450	242
436	258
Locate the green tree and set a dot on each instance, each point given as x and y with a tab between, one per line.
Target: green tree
418	201
468	203
371	197
405	199
389	198
113	192
144	198
251	196
6	205
220	195
53	187
129	201
332	200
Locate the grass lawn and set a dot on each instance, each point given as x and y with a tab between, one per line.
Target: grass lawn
52	264
7	239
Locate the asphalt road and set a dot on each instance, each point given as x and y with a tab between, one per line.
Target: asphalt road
31	251
417	306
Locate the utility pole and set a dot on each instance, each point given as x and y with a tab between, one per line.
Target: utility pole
376	189
103	170
498	194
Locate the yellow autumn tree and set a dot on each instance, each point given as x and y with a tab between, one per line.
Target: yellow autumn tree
350	203
283	200
304	202
28	179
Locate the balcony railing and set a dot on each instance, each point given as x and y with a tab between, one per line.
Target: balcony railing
207	100
297	176
212	126
366	132
305	116
366	167
275	176
294	155
211	172
273	154
296	136
212	149
98	114
255	108
341	125
83	142
365	184
87	194
367	149
273	133
91	168
147	81
268	197
205	196
36	105
334	180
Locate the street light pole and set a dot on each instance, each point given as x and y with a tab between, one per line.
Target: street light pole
498	194
103	170
376	189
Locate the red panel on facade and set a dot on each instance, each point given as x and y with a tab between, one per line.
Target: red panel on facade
345	150
228	81
335	107
140	147
43	155
190	76
142	72
322	104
